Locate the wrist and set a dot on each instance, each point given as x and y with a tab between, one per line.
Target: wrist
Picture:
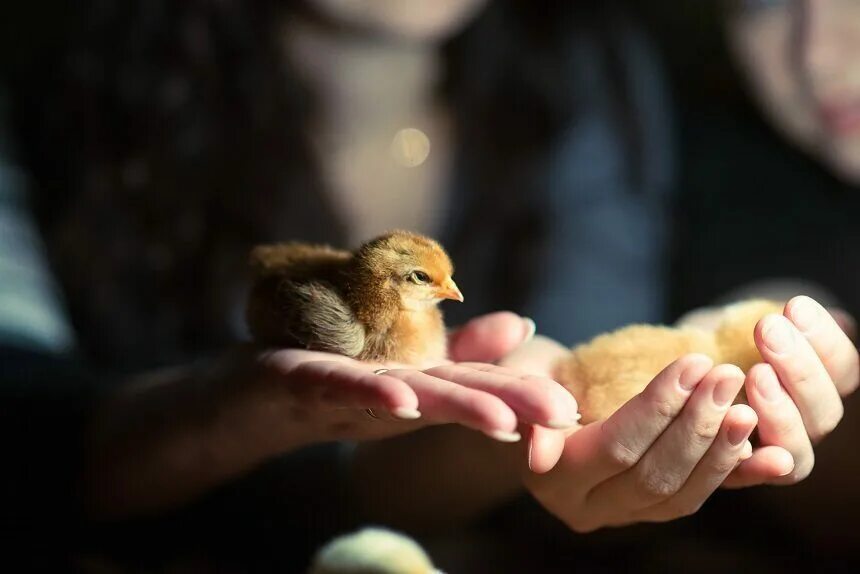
250	418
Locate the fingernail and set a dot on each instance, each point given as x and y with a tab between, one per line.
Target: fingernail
767	386
561	424
531	446
505	436
805	313
725	392
738	434
572	406
531	329
690	378
778	335
406	414
746	451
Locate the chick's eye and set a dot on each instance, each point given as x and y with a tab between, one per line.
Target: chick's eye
419	277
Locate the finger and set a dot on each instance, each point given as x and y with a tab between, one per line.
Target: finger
333	384
490	337
780	423
845	321
443	401
669	462
607	448
544	448
829	341
764	466
801	372
722	458
536	400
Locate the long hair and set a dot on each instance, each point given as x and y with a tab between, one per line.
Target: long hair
165	138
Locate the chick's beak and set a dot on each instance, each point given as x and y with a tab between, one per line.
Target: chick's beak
449	290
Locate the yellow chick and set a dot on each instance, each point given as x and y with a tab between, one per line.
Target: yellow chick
379	303
373	551
606	372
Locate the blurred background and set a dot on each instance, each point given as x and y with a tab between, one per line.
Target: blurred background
590	164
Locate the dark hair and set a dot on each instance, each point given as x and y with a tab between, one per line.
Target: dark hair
162	137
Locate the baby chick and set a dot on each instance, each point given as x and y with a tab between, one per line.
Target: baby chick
606	372
373	551
379	303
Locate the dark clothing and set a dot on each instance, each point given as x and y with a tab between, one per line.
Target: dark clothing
581	250
754	208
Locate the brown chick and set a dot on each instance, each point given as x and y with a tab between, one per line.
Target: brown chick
379	303
606	372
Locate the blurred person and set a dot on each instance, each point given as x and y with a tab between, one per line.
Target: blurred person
769	201
167	139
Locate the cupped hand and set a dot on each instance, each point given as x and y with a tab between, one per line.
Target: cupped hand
659	457
307	396
809	365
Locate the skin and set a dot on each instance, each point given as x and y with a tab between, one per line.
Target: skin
662	454
168	438
801	59
657	458
444	474
416	21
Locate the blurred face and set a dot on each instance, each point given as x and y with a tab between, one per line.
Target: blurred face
802	59
420	20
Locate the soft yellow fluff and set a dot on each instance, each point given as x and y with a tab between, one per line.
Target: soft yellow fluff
606	372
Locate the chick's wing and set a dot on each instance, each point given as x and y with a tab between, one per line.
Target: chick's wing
298	261
295	301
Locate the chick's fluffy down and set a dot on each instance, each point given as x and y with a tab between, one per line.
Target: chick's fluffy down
611	369
373	551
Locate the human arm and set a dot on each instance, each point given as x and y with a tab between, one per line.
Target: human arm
160	443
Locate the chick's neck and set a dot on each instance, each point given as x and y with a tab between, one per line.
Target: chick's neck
373	299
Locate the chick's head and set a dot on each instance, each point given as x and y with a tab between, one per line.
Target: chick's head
414	266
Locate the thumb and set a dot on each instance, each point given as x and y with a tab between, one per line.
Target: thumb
488	338
545	447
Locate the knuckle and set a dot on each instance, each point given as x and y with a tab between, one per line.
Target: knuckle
664	408
723	466
827	423
705	431
681	509
691	509
654	485
581	525
782	425
799	474
620	454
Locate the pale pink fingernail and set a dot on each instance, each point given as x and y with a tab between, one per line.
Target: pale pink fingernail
768	386
564	424
406	414
778	335
805	313
746	451
531	446
725	392
691	377
504	436
738	433
530	329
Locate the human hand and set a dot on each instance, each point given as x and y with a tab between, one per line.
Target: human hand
301	397
810	364
659	457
